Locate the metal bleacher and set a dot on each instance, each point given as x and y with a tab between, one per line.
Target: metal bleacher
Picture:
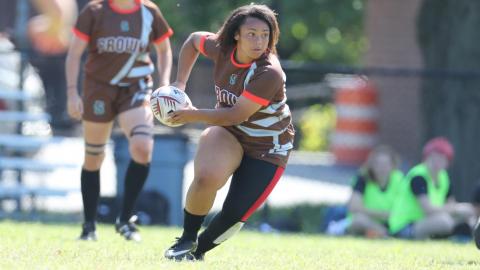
18	149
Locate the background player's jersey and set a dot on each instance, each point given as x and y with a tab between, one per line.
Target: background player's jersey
119	40
268	133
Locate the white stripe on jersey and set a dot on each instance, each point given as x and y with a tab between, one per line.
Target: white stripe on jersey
147	20
253	132
141	71
272	108
280	149
266	122
250	73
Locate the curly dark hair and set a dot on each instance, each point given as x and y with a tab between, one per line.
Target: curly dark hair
231	26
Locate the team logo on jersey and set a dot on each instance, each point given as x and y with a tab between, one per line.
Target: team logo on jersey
124	26
99	107
120	44
224	96
233	79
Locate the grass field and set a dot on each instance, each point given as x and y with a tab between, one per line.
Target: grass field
40	246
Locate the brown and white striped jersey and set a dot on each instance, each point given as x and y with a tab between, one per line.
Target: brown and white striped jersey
268	133
119	40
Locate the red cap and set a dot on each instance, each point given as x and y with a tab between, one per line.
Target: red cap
441	145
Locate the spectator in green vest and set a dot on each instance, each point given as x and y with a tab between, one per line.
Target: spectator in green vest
375	189
426	206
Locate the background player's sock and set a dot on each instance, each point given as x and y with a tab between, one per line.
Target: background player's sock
90	186
134	180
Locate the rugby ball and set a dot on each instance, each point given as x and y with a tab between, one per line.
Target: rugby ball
167	99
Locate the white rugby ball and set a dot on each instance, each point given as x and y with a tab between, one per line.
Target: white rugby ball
167	99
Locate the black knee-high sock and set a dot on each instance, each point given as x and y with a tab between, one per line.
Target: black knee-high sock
191	225
134	180
220	229
90	186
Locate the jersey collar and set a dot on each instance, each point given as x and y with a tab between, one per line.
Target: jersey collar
235	63
124	11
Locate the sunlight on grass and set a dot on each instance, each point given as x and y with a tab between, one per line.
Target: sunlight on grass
39	246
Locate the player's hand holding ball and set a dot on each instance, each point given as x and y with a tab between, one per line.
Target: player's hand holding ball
169	99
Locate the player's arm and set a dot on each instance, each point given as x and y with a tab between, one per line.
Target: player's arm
428	207
187	57
164	61
257	94
235	115
72	63
463	210
72	68
418	186
355	205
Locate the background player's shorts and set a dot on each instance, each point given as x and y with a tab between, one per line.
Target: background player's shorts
103	102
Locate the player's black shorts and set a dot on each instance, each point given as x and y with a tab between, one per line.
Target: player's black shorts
251	184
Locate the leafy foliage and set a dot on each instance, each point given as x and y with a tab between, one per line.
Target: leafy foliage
328	31
316	126
448	38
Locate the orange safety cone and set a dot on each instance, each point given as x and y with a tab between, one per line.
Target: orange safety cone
356	129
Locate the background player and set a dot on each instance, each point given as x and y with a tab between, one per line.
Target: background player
117	83
40	30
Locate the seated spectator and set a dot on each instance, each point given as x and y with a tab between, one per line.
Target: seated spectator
375	189
426	206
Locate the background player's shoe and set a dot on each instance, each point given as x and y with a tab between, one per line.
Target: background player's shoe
88	232
476	234
182	250
128	229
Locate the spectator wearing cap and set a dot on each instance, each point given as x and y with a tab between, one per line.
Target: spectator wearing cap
425	206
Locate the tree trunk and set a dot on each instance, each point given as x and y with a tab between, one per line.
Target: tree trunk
449	37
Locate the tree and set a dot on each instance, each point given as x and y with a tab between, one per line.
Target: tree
327	31
448	37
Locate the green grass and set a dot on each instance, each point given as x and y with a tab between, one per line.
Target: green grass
39	246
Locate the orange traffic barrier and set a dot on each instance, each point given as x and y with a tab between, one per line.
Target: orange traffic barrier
356	128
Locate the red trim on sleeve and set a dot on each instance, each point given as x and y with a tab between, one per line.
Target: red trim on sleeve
81	35
264	195
201	48
168	34
256	99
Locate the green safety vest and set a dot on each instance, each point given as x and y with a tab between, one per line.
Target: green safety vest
374	198
406	208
